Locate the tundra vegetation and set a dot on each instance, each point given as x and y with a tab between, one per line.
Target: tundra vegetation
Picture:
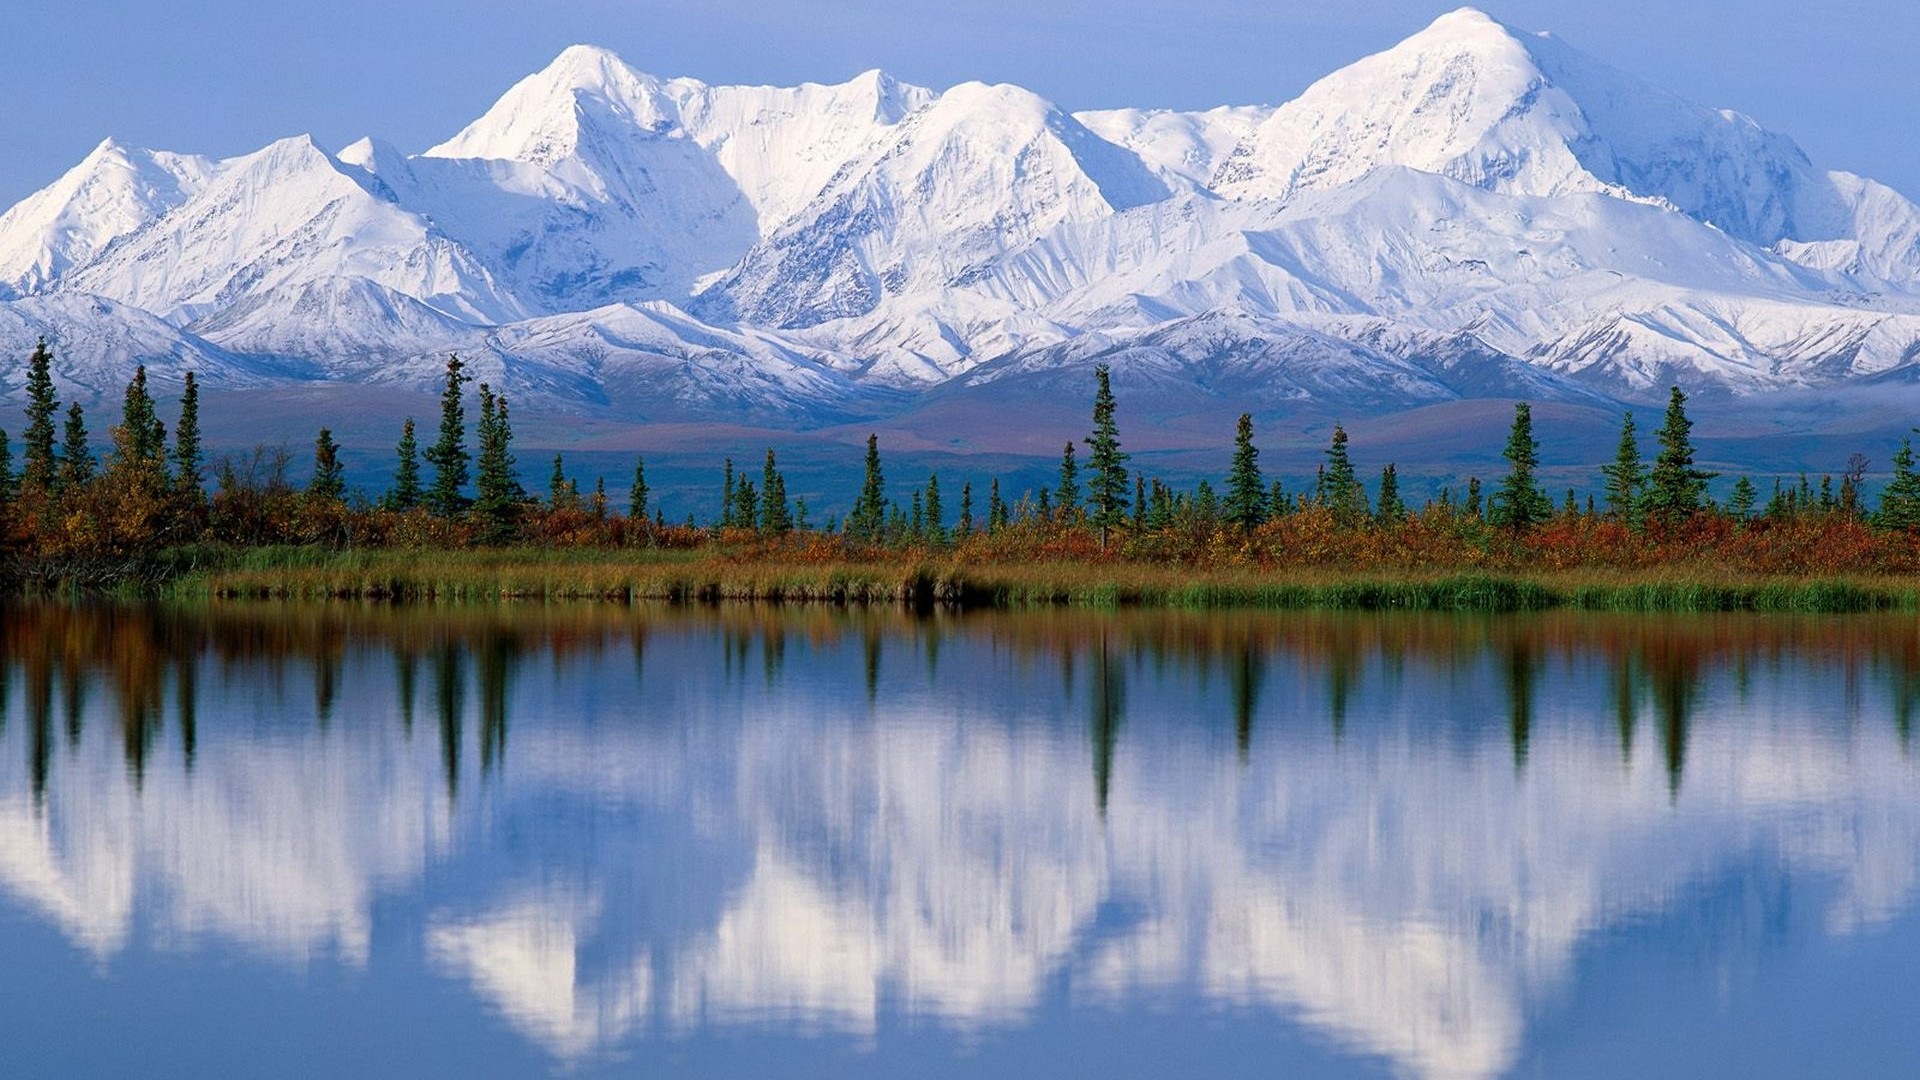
153	515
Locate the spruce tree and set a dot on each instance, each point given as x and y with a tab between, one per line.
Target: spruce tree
936	524
727	498
1279	503
405	493
869	514
1518	503
448	455
1107	491
39	468
1675	489
9	483
1473	496
145	439
1740	505
746	504
76	456
996	509
1246	491
599	505
187	462
637	493
1626	477
1900	501
1069	491
329	477
964	528
776	518
1139	502
496	492
1344	496
1391	510
557	497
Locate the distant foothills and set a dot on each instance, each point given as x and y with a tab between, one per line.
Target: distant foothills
1477	215
154	514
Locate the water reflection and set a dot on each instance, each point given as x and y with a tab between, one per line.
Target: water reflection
622	825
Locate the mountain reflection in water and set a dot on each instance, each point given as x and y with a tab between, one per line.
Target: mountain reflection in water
624	825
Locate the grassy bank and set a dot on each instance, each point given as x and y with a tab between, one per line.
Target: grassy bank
704	576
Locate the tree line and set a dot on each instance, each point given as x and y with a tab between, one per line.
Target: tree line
146	506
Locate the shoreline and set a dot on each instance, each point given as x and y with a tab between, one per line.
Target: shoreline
399	576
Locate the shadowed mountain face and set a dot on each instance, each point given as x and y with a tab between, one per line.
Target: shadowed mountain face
1478	212
742	840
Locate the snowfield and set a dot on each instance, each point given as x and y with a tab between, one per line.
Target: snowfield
1476	212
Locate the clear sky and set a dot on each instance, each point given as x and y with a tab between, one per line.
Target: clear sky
223	77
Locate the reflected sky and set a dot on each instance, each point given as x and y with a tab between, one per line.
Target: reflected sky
810	842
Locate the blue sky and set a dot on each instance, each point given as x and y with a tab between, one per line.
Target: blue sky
223	77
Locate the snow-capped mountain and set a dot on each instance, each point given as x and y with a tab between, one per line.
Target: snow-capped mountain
1474	212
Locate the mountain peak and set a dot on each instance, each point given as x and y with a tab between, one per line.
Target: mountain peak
538	119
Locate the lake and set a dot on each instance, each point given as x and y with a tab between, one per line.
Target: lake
290	841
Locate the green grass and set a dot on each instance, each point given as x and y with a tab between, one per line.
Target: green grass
702	576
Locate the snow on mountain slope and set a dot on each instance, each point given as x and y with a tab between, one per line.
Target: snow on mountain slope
289	214
624	186
976	173
96	344
1474	211
1184	148
114	191
1479	102
780	146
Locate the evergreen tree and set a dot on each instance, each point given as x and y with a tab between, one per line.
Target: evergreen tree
1626	477
1740	505
917	522
936	531
964	528
1206	505
39	467
727	498
1473	496
1391	510
599	505
637	493
329	477
558	497
9	484
746	504
448	455
775	517
1139	502
145	439
187	475
1279	503
1675	489
1069	491
496	493
76	456
1344	495
869	510
1518	503
1900	501
996	509
1107	495
1246	492
405	493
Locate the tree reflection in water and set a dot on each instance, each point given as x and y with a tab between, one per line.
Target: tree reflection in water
1400	830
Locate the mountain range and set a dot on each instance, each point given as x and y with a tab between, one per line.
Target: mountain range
1476	212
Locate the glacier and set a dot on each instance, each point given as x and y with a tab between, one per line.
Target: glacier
1477	212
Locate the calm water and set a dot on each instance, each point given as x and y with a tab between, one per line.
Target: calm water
285	841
